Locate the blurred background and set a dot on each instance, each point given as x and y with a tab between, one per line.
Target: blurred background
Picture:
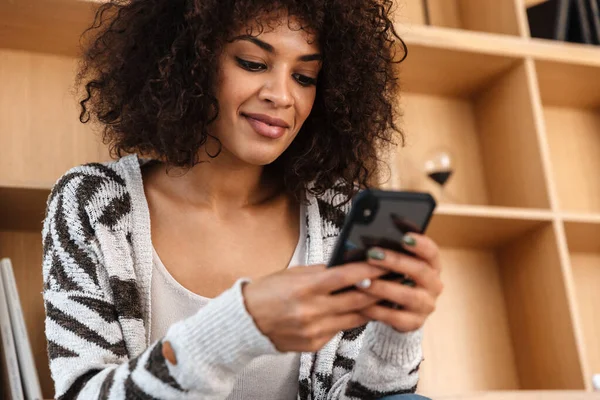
501	102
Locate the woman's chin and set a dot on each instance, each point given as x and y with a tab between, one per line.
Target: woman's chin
259	158
260	154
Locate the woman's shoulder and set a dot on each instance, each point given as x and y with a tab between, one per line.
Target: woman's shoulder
102	191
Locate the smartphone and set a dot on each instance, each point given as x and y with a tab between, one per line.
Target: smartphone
381	218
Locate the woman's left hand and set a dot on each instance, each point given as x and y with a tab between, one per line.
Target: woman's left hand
417	302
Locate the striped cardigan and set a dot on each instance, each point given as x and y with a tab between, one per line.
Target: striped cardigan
97	266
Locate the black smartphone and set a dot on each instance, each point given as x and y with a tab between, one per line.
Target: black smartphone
381	218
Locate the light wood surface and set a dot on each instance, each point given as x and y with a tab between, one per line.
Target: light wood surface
441	122
500	45
531	3
446	13
482	227
491	16
568	85
470	319
539	313
477	15
582	235
409	12
586	271
22	208
449	72
40	133
573	135
512	160
493	141
51	26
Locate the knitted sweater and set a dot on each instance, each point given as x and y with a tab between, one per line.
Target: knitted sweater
97	266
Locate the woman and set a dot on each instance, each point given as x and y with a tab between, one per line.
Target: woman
193	266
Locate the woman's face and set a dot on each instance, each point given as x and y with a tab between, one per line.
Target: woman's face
266	89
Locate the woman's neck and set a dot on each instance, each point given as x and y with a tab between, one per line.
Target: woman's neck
221	184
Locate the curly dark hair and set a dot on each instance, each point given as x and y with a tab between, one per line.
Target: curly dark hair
149	67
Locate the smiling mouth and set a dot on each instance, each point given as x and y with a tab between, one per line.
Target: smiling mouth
265	129
268	120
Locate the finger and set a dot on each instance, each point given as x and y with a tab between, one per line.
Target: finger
415	268
346	275
335	324
346	302
412	299
401	320
423	247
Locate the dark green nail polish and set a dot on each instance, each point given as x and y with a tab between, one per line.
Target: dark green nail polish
376	254
409	282
409	240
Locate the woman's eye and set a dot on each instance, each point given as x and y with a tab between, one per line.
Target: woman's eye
251	66
305	80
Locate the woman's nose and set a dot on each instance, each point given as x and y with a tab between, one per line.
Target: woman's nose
276	89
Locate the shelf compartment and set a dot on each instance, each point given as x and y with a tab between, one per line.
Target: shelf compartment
564	84
505	304
475	15
584	249
40	133
484	228
22	209
571	108
484	116
47	26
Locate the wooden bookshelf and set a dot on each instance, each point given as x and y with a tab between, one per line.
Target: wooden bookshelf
518	223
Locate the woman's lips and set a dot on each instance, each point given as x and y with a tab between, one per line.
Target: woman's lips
264	129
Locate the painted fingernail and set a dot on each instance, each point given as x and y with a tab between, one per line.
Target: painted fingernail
409	240
409	282
376	254
364	284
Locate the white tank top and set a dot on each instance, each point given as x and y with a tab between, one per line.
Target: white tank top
266	377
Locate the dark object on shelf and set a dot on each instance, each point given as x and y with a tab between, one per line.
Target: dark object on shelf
576	21
595	17
550	19
440	177
579	26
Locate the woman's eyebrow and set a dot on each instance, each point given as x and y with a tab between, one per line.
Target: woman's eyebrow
269	48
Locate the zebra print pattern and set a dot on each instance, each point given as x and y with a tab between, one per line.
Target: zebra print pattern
96	284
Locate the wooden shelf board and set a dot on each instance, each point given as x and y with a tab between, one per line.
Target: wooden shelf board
531	3
586	273
435	68
574	142
495	212
582	236
580	217
569	85
483	227
499	45
22	208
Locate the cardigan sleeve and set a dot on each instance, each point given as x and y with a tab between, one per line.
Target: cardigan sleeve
387	364
89	357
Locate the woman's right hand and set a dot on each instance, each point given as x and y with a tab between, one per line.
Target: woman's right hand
295	309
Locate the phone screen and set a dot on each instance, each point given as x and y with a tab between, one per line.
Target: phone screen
382	226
